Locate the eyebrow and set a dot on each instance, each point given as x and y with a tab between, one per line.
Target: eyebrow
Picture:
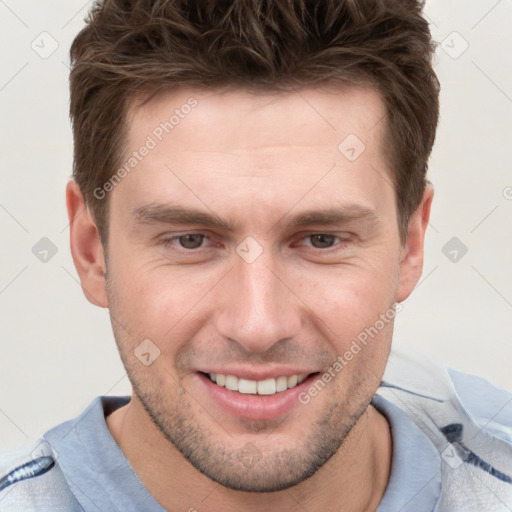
332	216
169	214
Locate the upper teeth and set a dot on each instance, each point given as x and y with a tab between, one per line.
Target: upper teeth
260	387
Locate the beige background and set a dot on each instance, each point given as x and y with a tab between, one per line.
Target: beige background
58	350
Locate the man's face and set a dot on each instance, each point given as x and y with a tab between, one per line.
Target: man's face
275	291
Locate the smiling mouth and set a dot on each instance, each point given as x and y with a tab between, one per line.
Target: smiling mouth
269	386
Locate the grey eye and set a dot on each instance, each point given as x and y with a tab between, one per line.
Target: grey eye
191	241
324	240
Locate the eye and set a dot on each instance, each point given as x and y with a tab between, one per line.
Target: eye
188	241
322	240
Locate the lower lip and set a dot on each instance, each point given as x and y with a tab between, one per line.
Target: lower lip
255	407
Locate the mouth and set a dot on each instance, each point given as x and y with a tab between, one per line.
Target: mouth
269	386
264	399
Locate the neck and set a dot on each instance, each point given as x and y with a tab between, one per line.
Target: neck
353	479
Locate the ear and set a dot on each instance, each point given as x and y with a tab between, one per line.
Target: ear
411	260
86	247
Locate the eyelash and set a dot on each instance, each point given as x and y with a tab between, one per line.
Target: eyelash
167	242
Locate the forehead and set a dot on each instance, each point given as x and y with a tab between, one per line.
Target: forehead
207	146
257	117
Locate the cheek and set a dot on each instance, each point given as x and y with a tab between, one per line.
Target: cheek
350	298
158	301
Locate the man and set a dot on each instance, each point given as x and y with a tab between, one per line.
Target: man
250	203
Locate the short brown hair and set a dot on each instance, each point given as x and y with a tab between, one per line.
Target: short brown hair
129	46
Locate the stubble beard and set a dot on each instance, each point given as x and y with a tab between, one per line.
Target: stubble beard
247	467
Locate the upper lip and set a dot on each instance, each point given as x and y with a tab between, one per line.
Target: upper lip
258	373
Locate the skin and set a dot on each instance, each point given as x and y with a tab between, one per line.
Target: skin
257	160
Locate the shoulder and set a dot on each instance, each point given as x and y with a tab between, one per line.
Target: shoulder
488	405
438	390
31	480
469	422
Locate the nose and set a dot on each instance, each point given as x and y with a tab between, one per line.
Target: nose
257	308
